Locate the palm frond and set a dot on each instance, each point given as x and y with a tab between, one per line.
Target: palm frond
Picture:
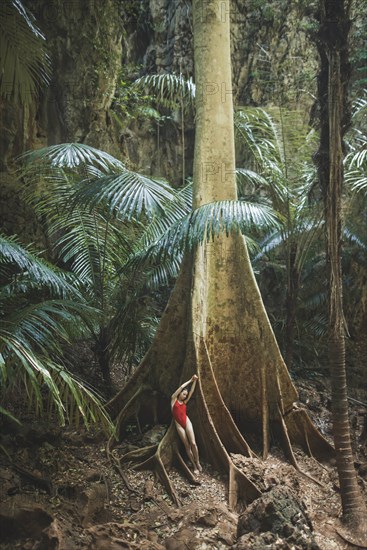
168	89
204	224
359	238
357	180
89	244
9	415
72	155
270	243
174	211
15	259
45	325
259	131
25	64
162	274
248	178
318	325
359	107
70	398
128	194
88	241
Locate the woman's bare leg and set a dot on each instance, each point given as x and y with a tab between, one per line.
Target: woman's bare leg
185	441
194	449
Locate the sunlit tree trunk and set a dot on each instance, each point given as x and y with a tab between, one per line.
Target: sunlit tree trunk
333	81
215	323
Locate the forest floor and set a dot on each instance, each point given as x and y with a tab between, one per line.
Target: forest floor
59	491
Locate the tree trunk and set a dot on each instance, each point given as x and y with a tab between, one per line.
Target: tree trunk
103	354
291	305
333	81
215	323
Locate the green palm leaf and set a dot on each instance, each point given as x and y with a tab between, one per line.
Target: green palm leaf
64	390
204	224
36	272
174	212
32	330
24	62
45	324
72	155
168	89
128	194
356	164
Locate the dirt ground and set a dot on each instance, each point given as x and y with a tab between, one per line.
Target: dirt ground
59	491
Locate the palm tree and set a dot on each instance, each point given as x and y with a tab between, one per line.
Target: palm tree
355	161
95	243
334	117
355	231
123	234
41	309
282	171
173	92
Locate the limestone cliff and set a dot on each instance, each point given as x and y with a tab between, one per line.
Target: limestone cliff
90	41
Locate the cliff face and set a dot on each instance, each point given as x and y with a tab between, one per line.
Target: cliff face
85	45
84	41
89	42
273	62
272	56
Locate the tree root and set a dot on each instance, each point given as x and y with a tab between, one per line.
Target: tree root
162	459
353	539
225	426
302	431
290	453
131	409
217	436
36	480
264	413
216	432
140	456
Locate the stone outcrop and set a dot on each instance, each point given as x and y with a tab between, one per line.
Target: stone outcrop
89	43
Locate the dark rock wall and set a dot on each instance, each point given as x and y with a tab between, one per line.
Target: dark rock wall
84	41
89	42
273	62
84	38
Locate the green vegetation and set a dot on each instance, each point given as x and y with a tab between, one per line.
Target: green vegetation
121	237
25	64
116	238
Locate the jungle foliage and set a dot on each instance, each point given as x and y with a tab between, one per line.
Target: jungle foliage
116	238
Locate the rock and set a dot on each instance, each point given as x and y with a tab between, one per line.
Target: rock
154	436
209	518
226	533
277	514
184	539
53	537
22	519
92	502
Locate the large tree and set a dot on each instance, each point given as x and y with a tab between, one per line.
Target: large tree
215	323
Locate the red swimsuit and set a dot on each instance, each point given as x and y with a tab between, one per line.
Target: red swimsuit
179	413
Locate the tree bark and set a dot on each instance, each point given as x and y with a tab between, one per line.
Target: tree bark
103	354
215	323
333	44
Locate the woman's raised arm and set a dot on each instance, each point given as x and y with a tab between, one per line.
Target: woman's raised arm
194	379
183	386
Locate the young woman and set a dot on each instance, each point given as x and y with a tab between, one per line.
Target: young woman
184	427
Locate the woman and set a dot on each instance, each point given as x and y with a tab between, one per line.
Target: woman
184	427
